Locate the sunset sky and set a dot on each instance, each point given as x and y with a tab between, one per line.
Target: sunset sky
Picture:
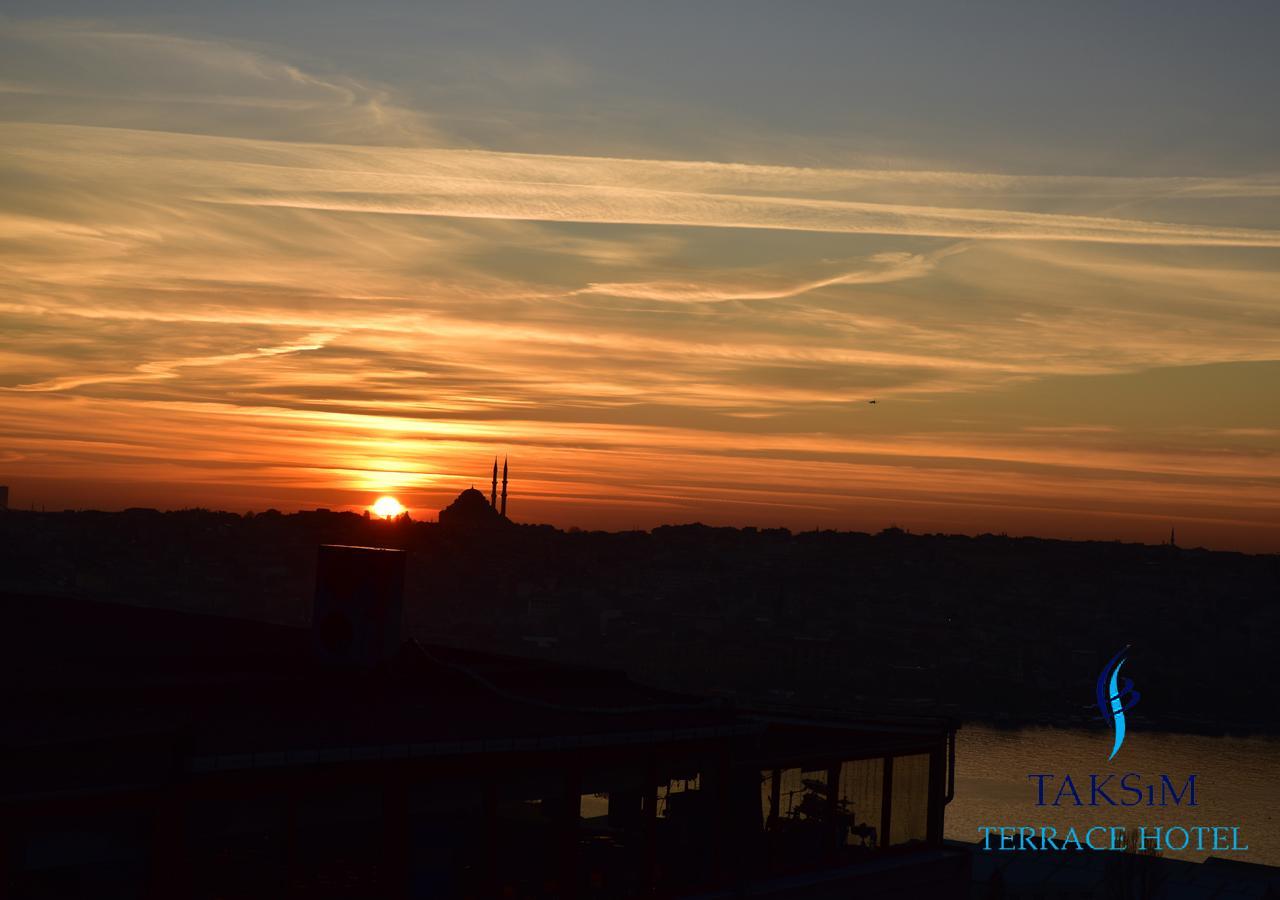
660	254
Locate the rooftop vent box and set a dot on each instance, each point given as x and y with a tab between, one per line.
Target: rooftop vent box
355	621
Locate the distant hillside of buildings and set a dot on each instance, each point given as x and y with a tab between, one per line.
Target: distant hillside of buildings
995	628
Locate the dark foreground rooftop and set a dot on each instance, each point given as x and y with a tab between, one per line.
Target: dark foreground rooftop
158	753
223	688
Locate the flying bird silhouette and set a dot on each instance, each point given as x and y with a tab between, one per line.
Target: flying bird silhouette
873	402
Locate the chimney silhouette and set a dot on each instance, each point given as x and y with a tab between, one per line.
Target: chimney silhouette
356	615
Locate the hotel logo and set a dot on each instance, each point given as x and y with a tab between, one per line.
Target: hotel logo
1116	696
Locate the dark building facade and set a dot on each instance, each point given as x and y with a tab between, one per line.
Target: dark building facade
440	773
152	753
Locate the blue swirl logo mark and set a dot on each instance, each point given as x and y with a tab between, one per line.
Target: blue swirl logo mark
1115	696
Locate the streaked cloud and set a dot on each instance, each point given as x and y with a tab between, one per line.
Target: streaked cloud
883	269
94	74
252	284
168	368
486	185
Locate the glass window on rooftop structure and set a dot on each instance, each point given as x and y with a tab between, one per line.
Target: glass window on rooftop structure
531	816
860	805
447	836
798	821
686	824
909	814
613	807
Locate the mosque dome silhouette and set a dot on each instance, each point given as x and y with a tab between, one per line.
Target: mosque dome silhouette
471	510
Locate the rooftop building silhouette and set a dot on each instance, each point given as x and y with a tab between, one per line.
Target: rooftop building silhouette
197	756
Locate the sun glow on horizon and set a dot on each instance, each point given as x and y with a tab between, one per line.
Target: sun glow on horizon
293	278
387	507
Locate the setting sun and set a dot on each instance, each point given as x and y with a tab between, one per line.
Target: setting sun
387	507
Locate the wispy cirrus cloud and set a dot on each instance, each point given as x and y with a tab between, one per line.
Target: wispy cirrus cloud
883	268
225	272
169	368
94	74
485	185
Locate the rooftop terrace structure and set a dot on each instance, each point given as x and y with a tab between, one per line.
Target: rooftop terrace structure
165	754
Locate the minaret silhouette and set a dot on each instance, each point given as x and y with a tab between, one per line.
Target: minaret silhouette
504	483
493	491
